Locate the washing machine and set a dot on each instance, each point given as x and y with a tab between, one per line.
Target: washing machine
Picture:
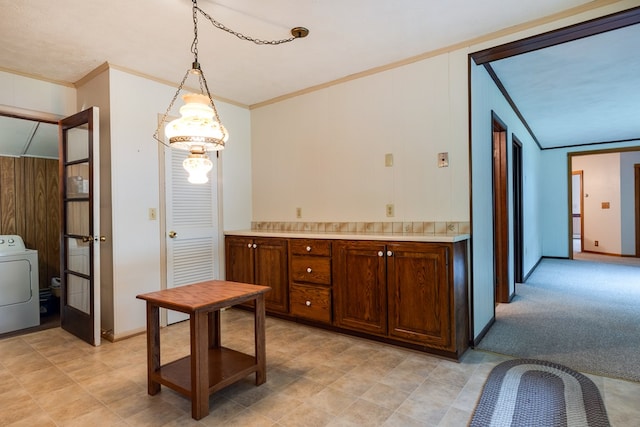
19	285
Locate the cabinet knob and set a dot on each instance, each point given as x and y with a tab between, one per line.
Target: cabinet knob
308	248
389	253
380	253
308	303
308	269
249	245
255	246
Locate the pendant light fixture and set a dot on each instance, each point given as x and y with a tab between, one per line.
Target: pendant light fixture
199	129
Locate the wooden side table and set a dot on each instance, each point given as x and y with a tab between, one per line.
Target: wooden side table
210	367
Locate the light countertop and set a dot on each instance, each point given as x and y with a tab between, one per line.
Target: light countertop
401	237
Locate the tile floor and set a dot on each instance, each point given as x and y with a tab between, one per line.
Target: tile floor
315	378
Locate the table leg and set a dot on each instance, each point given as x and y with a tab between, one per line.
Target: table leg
260	341
199	365
215	340
153	346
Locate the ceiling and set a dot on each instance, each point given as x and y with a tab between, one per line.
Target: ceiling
65	40
582	92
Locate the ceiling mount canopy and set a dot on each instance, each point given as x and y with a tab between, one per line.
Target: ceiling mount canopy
199	128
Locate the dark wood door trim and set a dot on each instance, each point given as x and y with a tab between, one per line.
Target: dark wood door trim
518	226
562	35
500	208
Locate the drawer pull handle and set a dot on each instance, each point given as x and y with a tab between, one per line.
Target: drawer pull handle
308	269
308	248
308	303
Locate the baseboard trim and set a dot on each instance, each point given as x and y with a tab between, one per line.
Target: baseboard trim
531	270
483	332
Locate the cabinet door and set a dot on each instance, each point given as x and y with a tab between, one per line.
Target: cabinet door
271	270
419	293
239	260
360	297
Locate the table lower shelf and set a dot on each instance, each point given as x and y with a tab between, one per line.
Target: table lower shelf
226	366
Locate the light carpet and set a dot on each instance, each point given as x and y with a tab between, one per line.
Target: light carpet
584	315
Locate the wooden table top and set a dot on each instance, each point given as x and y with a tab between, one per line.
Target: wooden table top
210	295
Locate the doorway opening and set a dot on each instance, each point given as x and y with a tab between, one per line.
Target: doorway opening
604	202
577	213
29	184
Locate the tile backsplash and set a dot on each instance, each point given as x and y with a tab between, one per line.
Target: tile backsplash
415	227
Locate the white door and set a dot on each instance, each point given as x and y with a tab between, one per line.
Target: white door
191	212
80	228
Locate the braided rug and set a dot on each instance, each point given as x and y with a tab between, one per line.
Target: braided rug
535	393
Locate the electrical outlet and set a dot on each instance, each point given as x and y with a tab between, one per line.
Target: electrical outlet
388	160
596	243
390	210
298	212
153	214
443	160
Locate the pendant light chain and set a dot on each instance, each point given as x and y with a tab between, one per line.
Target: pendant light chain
297	32
240	35
194	44
204	87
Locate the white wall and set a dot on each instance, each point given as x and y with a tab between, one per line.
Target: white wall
486	98
236	168
36	95
324	151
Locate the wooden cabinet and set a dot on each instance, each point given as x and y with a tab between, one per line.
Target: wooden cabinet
406	293
310	279
411	292
261	261
419	293
360	286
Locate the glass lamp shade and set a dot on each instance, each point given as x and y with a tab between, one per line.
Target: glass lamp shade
197	165
197	126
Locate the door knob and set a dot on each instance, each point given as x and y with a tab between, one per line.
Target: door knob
172	234
103	239
86	239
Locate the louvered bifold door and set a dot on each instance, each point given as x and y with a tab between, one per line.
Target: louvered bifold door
192	226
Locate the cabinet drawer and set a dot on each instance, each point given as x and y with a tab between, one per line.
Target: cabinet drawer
311	269
310	247
311	302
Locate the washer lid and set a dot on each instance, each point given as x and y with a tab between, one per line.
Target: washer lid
11	244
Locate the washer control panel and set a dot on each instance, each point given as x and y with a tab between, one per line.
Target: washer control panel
11	243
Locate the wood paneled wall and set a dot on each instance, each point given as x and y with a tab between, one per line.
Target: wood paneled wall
30	207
